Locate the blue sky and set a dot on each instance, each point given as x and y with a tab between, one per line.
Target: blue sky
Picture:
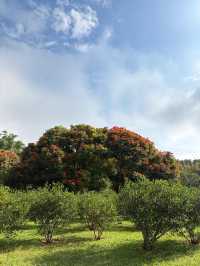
132	63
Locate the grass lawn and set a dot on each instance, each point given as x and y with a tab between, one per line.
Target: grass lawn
120	246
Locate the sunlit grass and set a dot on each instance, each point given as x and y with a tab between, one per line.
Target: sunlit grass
120	246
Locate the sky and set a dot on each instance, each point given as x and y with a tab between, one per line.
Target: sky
129	63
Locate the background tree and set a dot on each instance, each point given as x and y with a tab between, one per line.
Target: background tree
135	153
190	173
38	166
8	160
76	156
9	142
87	158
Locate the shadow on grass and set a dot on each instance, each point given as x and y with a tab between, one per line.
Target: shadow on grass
10	245
7	245
118	227
29	226
128	254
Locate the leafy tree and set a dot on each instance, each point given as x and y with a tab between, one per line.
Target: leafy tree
12	212
76	156
52	208
9	142
155	207
97	211
190	173
190	179
38	166
192	166
135	153
191	218
85	158
8	160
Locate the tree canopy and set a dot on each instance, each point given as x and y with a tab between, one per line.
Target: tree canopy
88	158
9	142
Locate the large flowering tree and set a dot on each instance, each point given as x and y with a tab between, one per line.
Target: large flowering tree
89	158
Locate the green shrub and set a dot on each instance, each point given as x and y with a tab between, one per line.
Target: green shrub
12	211
52	208
97	211
191	218
155	207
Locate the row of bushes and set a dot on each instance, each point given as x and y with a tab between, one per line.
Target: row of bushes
160	207
51	207
155	208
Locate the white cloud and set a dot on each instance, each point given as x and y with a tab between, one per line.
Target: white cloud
62	21
27	22
50	44
147	99
84	21
36	94
75	23
35	22
107	34
83	47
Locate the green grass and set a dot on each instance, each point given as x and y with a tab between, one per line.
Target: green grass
120	246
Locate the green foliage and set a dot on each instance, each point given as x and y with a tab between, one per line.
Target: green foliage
52	208
8	142
86	158
191	218
13	211
155	207
8	160
135	153
190	179
97	211
38	166
190	173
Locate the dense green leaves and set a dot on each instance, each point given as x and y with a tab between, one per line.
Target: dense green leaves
85	158
136	154
52	208
155	207
9	142
190	173
38	166
97	211
8	160
191	218
13	210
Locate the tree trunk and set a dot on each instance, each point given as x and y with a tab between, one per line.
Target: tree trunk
147	244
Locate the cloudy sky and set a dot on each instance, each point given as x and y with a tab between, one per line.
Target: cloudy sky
130	63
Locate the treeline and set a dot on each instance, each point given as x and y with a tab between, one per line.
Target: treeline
190	172
155	208
86	158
